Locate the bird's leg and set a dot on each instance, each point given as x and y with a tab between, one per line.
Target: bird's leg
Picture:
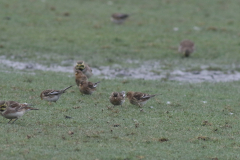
14	120
10	120
139	105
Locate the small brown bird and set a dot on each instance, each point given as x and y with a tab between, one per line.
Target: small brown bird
186	47
52	95
82	66
14	110
117	98
79	77
119	18
138	98
87	87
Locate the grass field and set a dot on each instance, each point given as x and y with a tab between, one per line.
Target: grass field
188	121
197	124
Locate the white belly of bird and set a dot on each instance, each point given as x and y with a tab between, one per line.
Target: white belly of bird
14	115
52	99
122	101
143	103
118	21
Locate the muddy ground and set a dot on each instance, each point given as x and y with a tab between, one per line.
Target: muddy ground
147	70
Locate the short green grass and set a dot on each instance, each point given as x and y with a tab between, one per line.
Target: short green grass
197	124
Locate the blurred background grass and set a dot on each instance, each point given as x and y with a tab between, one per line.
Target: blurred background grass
51	31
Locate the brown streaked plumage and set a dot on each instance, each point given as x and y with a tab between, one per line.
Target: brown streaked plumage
9	102
52	95
119	18
138	98
14	110
87	87
117	98
186	47
82	66
79	77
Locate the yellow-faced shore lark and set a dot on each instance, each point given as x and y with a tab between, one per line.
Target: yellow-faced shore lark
79	77
138	98
119	18
14	110
87	87
82	66
186	47
117	98
52	95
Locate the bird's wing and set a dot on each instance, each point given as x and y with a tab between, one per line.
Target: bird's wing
14	106
52	92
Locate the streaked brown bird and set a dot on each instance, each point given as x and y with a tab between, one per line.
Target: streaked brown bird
82	66
52	95
87	87
79	77
186	47
138	98
119	18
14	110
117	98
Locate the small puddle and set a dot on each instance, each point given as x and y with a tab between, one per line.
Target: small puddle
144	71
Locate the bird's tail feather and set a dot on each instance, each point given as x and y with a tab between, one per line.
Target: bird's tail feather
31	108
95	84
66	89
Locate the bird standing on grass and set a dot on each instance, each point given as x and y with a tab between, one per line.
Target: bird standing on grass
79	77
119	18
52	95
14	110
87	87
117	98
138	98
186	47
82	66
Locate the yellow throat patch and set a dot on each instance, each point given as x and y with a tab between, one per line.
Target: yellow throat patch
3	107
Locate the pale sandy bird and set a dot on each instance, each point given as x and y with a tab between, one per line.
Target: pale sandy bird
52	95
119	18
14	110
87	87
82	66
117	98
138	98
186	47
79	77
